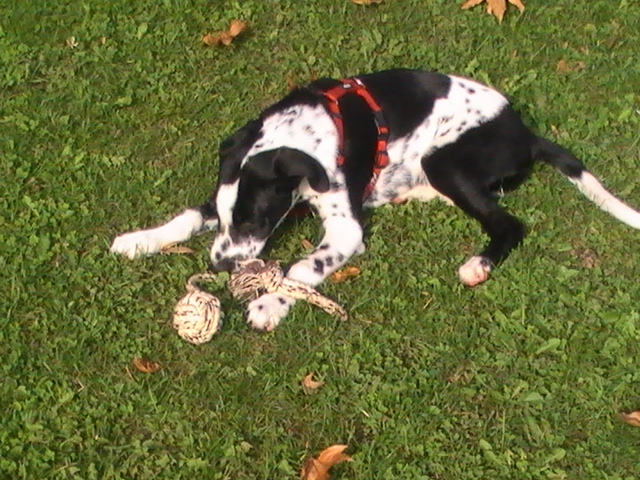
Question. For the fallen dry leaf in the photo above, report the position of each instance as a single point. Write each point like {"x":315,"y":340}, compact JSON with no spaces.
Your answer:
{"x":564,"y":67}
{"x":496,"y":8}
{"x":236,"y":27}
{"x":318,"y":468}
{"x":344,"y":274}
{"x":366,"y":2}
{"x":309,"y":385}
{"x":180,"y":249}
{"x":211,"y":39}
{"x":145,"y":365}
{"x":632,"y":418}
{"x":306,"y":244}
{"x":588,"y":258}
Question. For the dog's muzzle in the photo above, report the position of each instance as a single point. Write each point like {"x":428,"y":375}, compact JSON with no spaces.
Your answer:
{"x":224,"y":265}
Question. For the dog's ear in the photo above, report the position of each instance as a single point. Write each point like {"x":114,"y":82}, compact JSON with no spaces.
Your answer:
{"x":234,"y":148}
{"x":293,"y":163}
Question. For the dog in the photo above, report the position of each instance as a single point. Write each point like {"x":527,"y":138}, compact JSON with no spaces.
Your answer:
{"x":344,"y":145}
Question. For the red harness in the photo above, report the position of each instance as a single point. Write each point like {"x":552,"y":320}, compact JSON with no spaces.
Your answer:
{"x":333,"y":95}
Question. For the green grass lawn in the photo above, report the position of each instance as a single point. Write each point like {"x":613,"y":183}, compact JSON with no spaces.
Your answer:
{"x":111,"y":113}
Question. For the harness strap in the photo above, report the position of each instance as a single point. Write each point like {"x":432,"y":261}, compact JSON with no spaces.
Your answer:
{"x":355,"y":86}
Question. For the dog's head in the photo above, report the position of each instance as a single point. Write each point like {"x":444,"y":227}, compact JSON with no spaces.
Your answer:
{"x":255,"y":193}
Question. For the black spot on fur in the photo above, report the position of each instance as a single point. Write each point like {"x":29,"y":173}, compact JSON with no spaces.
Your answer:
{"x":340,"y":258}
{"x":225,"y":245}
{"x":445,"y":132}
{"x":318,"y":266}
{"x":324,"y":246}
{"x":309,"y":129}
{"x":281,"y":300}
{"x":471,"y":91}
{"x":329,"y":261}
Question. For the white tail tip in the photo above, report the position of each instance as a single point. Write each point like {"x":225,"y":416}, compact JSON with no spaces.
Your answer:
{"x":594,"y":191}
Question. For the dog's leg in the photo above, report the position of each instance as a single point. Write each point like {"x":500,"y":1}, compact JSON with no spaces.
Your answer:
{"x":179,"y":229}
{"x":505,"y":231}
{"x":342,"y":239}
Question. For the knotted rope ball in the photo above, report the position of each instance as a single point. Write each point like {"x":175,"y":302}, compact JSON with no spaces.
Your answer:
{"x":197,"y":317}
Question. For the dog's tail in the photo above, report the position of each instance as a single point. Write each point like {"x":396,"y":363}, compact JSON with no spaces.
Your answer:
{"x":556,"y":156}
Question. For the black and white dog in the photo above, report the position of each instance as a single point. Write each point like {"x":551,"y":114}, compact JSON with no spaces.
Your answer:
{"x":447,"y":137}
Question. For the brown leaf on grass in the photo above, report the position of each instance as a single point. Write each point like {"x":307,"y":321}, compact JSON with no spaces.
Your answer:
{"x":366,"y":2}
{"x":236,"y":27}
{"x":173,"y":248}
{"x":496,"y":8}
{"x":565,"y":67}
{"x":344,"y":274}
{"x":306,"y":244}
{"x":145,"y":365}
{"x":632,"y":418}
{"x":309,"y":385}
{"x":588,"y":258}
{"x":318,"y":468}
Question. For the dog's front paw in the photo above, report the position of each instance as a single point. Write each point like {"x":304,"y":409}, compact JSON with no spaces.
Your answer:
{"x":266,"y":311}
{"x":136,"y":244}
{"x":475,"y":271}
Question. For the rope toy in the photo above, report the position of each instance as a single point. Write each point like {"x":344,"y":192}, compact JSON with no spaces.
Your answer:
{"x":197,"y":316}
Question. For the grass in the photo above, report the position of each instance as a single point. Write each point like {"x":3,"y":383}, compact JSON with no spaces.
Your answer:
{"x":521,"y":378}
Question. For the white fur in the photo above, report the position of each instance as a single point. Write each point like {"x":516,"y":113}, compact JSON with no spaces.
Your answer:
{"x":424,"y":193}
{"x":474,"y":272}
{"x":265,"y":312}
{"x":248,"y":248}
{"x":225,"y":200}
{"x":594,"y":191}
{"x":147,"y":242}
{"x":300,"y":127}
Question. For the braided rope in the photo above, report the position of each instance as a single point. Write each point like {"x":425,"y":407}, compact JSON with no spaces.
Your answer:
{"x":197,"y":317}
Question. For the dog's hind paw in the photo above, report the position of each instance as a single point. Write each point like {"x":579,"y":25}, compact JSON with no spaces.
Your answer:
{"x":475,"y":271}
{"x":267,"y":311}
{"x":135,"y":244}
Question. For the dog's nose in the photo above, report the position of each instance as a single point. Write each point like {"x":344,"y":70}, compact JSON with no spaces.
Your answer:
{"x":224,"y":265}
